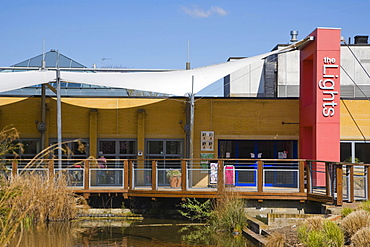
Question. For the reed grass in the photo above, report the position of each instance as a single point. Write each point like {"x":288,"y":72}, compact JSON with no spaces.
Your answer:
{"x":276,"y":240}
{"x":316,"y":232}
{"x":228,"y":213}
{"x":31,"y":197}
{"x":355,"y":221}
{"x":361,"y":237}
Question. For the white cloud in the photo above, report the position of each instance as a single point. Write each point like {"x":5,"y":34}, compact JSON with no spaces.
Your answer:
{"x":219,"y":11}
{"x":197,"y":12}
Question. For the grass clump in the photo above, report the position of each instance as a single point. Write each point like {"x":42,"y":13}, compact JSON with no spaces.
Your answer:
{"x":228,"y":213}
{"x":316,"y":232}
{"x":276,"y":240}
{"x":346,"y":211}
{"x":361,"y":237}
{"x":364,"y":206}
{"x":355,"y":221}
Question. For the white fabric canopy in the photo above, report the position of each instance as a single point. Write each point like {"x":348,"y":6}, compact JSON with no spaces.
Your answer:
{"x":14,"y":80}
{"x":173,"y":82}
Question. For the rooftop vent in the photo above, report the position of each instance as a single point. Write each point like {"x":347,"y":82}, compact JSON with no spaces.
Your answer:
{"x":361,"y":39}
{"x":293,"y":35}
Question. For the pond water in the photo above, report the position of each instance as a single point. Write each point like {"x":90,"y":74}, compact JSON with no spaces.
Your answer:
{"x":148,"y":232}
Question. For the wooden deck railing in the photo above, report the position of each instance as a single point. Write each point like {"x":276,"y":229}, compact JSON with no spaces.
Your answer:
{"x":260,"y":179}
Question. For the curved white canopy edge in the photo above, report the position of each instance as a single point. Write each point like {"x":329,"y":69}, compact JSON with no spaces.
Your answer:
{"x":174,"y":82}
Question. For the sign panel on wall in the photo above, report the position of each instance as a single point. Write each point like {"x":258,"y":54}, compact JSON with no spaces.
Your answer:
{"x":207,"y":140}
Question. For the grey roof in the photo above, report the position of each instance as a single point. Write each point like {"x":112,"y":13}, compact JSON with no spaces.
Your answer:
{"x":52,"y":59}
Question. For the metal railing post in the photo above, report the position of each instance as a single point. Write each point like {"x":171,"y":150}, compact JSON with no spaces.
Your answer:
{"x":367,"y":185}
{"x":132,"y":175}
{"x":327,"y":178}
{"x":350,"y":184}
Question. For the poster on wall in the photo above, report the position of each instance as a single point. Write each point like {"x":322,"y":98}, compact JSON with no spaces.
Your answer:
{"x":213,"y":174}
{"x":205,"y":160}
{"x":207,"y":140}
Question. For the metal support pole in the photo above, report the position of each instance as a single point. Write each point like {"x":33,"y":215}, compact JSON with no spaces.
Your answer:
{"x":59,"y":121}
{"x":192,"y":121}
{"x":43,"y":115}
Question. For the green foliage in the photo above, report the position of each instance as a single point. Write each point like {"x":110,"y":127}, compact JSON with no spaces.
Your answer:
{"x":227,"y":214}
{"x":334,"y":236}
{"x":364,"y":206}
{"x":346,"y":211}
{"x":349,"y":159}
{"x":195,"y":210}
{"x":172,"y":173}
{"x":311,"y":238}
{"x":326,"y":233}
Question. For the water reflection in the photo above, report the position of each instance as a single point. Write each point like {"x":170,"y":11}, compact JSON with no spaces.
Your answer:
{"x":122,"y":233}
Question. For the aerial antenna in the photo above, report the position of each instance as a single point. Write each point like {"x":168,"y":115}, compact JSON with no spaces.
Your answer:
{"x":103,"y":59}
{"x":188,"y":60}
{"x":43,"y":62}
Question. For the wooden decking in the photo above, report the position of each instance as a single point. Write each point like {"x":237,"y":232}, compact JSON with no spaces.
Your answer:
{"x":258,"y":179}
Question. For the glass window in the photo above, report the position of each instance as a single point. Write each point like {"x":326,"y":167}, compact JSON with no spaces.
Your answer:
{"x":117,"y":148}
{"x":107,"y":147}
{"x":173,"y":147}
{"x":345,"y":152}
{"x":355,"y":151}
{"x":155,"y":147}
{"x":164,"y":148}
{"x":72,"y":149}
{"x":362,"y":153}
{"x":127,"y":147}
{"x":31,"y":147}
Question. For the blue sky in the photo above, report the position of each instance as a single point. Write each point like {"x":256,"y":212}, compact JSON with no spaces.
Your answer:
{"x":155,"y":33}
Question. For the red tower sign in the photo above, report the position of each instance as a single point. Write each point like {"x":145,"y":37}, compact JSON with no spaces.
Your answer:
{"x":319,"y":134}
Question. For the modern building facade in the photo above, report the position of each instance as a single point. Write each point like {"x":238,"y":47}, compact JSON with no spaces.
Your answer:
{"x":119,"y":127}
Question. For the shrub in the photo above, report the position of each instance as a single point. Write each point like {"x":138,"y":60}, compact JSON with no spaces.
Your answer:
{"x":195,"y":210}
{"x":361,"y":237}
{"x":355,"y":221}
